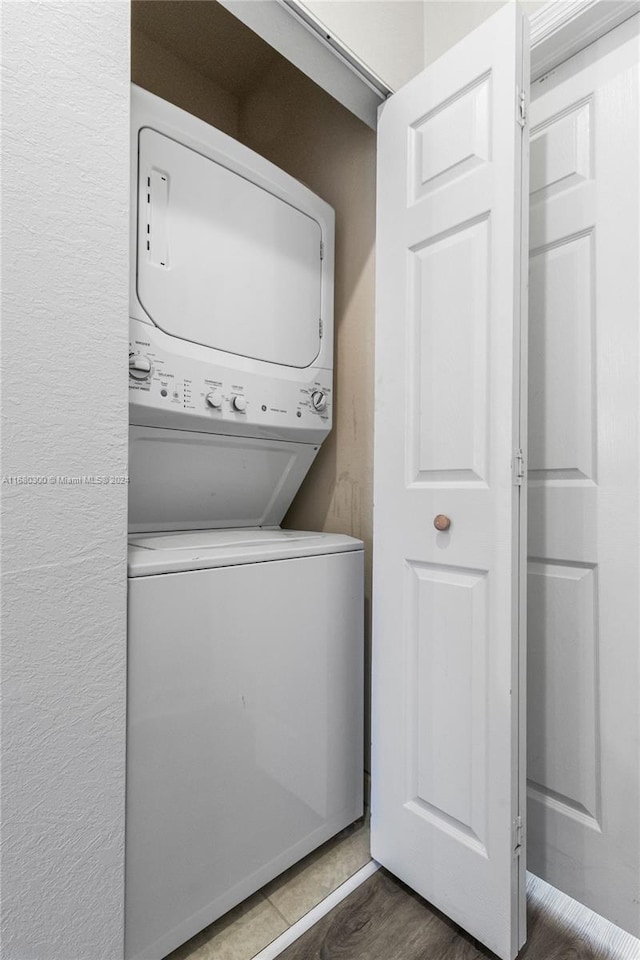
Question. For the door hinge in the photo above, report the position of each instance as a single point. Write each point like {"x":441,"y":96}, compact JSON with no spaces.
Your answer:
{"x":518,"y":834}
{"x":320,"y":328}
{"x":522,"y":108}
{"x":321,"y":250}
{"x":518,"y":468}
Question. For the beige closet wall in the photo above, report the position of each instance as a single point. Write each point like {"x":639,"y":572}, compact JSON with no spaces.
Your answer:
{"x":160,"y":71}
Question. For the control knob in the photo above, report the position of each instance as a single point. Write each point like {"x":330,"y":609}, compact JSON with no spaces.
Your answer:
{"x":139,"y":366}
{"x":214,"y":399}
{"x":239,"y":403}
{"x":319,"y":400}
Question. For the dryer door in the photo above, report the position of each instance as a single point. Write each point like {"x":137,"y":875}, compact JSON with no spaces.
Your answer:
{"x":221,"y":261}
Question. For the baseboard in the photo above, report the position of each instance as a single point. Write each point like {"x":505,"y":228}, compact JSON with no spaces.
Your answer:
{"x":600,"y":937}
{"x":280,"y":944}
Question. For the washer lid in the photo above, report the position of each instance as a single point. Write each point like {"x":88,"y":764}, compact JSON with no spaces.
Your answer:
{"x":159,"y":553}
{"x":221,"y":261}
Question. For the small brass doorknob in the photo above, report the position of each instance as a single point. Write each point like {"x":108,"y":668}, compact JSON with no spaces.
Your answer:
{"x":441,"y":522}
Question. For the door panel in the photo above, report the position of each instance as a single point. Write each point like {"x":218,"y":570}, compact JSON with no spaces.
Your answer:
{"x":449,"y":369}
{"x":562,"y":663}
{"x":562,"y":397}
{"x":446,"y":773}
{"x":448,"y":710}
{"x":583,"y":658}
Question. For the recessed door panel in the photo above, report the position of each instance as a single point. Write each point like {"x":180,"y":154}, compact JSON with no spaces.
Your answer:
{"x":447,"y":715}
{"x":563,"y":763}
{"x":448,"y":357}
{"x":452,"y":139}
{"x":562,"y":389}
{"x":561,"y":152}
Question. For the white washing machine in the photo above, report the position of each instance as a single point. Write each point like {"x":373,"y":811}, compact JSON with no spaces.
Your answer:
{"x":245,"y":718}
{"x":245,"y":676}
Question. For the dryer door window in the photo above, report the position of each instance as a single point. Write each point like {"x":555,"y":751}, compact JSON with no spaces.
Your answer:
{"x":221,"y":261}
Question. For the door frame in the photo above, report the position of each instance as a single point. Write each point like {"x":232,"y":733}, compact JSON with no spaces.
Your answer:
{"x":559,"y":30}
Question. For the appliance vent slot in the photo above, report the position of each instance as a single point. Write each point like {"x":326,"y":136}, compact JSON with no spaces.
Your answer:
{"x":157,"y":218}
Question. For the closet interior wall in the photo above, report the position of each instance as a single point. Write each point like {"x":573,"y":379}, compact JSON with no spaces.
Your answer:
{"x":200,"y":57}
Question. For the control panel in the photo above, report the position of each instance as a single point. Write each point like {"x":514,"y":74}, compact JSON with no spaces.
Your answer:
{"x":173,"y":384}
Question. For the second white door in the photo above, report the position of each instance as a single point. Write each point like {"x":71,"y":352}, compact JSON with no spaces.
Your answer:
{"x":584,"y":657}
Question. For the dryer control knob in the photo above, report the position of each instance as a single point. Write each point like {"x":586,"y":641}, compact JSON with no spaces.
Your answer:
{"x":214,"y":399}
{"x":139,"y":367}
{"x":319,"y":400}
{"x":239,"y":403}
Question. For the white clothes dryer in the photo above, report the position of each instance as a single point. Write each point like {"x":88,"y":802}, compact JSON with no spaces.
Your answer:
{"x":231,"y":331}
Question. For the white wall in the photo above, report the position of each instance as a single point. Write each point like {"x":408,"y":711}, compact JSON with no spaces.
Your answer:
{"x":386,"y":34}
{"x":398,"y":38}
{"x":448,"y":21}
{"x":65,"y":103}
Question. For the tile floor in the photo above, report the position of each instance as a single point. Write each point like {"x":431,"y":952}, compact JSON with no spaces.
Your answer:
{"x":246,"y":930}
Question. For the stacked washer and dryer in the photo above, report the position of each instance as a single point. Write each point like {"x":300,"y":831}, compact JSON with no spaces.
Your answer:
{"x":245,"y":665}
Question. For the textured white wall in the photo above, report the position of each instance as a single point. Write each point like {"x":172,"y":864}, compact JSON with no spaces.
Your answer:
{"x":65,"y":107}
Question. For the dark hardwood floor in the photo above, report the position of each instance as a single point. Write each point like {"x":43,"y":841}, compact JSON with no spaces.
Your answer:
{"x":385,"y":920}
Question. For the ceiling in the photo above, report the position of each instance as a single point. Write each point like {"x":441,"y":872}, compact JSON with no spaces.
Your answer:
{"x":209,"y":38}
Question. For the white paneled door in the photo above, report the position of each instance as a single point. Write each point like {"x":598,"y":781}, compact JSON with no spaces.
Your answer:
{"x":584,"y":653}
{"x":447,"y":777}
